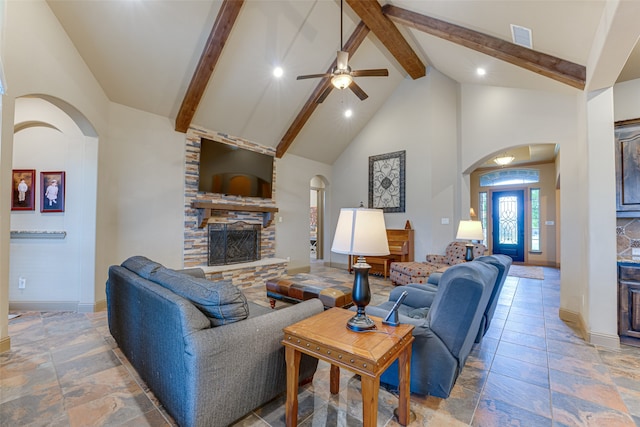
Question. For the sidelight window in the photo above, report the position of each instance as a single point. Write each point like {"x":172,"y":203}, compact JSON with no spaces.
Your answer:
{"x":535,"y":219}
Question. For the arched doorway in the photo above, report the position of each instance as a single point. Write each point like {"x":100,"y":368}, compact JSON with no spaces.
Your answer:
{"x":55,"y":263}
{"x":316,"y":217}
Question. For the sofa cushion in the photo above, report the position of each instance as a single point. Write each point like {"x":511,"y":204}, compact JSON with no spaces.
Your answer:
{"x":140,"y":265}
{"x":418,"y":313}
{"x":220,"y":301}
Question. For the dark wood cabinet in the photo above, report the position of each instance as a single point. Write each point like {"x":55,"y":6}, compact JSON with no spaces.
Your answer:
{"x":629,"y":303}
{"x":627,"y":140}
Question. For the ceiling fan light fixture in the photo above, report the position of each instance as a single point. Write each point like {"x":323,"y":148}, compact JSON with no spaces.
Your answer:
{"x":504,"y":159}
{"x":341,"y":81}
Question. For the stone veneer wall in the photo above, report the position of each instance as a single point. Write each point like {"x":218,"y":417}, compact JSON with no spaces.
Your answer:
{"x":627,"y":237}
{"x":195,"y":239}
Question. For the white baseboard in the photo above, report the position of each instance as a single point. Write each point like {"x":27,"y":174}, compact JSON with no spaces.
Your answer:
{"x":595,"y":338}
{"x":5,"y":344}
{"x":298,"y":270}
{"x":605,"y":340}
{"x":337,"y":265}
{"x":92,"y":308}
{"x":58,"y":306}
{"x":43,"y":306}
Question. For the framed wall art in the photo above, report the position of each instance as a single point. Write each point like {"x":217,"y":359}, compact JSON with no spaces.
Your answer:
{"x":386,"y":181}
{"x":23,"y":194}
{"x":52,"y":192}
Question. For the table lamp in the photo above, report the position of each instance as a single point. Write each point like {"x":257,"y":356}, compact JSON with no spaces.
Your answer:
{"x":470,"y":230}
{"x":361,"y":232}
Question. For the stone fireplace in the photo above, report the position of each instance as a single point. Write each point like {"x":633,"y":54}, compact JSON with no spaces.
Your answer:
{"x":203,"y":209}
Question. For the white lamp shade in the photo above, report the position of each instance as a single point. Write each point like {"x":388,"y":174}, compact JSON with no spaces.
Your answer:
{"x":470,"y":230}
{"x":361,"y":231}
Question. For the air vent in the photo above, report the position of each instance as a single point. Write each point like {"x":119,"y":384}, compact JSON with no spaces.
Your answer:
{"x":521,"y":36}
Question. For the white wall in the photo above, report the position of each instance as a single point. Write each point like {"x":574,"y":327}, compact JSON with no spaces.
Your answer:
{"x":495,"y":118}
{"x":601,"y":302}
{"x":140,"y":158}
{"x":141,"y":190}
{"x":40,"y":59}
{"x":293,"y":178}
{"x":626,"y":100}
{"x":420,"y":118}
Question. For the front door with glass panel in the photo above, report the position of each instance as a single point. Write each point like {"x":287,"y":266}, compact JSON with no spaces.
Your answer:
{"x":508,"y":224}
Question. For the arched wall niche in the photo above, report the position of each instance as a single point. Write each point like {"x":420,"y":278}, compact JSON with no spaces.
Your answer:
{"x":52,"y":135}
{"x":72,"y":112}
{"x":32,"y":124}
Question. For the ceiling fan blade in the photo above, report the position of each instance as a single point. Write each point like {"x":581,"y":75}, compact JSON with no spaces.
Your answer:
{"x":343,"y":60}
{"x":324,"y":94}
{"x":380,"y":72}
{"x":313,"y":76}
{"x":358,"y":91}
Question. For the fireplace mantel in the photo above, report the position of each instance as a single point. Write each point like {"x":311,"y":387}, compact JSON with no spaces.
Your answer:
{"x":205,"y":207}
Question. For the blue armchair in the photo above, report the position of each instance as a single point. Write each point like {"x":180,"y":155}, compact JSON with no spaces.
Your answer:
{"x":446,"y":324}
{"x":503,"y":263}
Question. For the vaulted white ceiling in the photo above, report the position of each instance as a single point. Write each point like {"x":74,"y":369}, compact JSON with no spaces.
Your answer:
{"x":144,"y":53}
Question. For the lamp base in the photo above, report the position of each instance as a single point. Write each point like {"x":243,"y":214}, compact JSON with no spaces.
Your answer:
{"x":469,"y":254}
{"x":361,"y":295}
{"x":360,"y":323}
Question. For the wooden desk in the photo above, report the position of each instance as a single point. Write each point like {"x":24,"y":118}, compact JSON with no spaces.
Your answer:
{"x":326,"y":337}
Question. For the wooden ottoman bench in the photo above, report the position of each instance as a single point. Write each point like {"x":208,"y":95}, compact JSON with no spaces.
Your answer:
{"x":331,"y":295}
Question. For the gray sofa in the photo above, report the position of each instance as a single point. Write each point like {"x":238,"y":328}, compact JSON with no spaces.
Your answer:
{"x":207,"y":354}
{"x":446,"y":324}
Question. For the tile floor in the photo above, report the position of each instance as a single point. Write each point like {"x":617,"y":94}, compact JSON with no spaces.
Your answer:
{"x":531,"y":369}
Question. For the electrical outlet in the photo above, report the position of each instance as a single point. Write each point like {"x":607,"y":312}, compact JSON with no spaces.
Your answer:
{"x":22,"y":283}
{"x":444,"y":221}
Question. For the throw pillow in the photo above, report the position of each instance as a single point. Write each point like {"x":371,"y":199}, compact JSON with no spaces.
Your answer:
{"x":221,"y":301}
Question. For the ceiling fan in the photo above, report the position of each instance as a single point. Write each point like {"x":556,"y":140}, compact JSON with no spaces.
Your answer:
{"x":342,"y":75}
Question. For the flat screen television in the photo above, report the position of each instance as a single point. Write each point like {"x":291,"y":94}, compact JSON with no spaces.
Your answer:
{"x":232,"y":170}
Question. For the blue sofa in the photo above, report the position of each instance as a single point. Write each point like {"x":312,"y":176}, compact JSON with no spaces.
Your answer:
{"x":206,"y":353}
{"x":446,"y":324}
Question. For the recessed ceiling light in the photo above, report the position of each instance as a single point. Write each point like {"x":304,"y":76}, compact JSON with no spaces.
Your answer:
{"x":278,"y":71}
{"x":481,"y":71}
{"x":348,"y":113}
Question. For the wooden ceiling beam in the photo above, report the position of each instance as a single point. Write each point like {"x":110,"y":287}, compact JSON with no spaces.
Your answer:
{"x":310,"y":106}
{"x":220,"y":32}
{"x":549,"y":66}
{"x":371,"y":14}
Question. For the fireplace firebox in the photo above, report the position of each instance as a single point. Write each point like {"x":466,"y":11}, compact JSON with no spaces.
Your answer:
{"x":233,"y":243}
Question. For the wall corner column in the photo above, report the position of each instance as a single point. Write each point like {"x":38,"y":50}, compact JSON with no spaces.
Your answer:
{"x":601,"y":301}
{"x":6,"y":161}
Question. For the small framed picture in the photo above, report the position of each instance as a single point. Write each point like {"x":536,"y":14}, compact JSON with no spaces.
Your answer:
{"x":23,"y":194}
{"x":52,"y":193}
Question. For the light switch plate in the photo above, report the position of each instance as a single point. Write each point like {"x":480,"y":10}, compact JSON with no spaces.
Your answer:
{"x":635,"y":251}
{"x":444,"y":221}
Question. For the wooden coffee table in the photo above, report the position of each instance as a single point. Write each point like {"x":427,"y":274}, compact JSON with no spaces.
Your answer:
{"x":326,"y":337}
